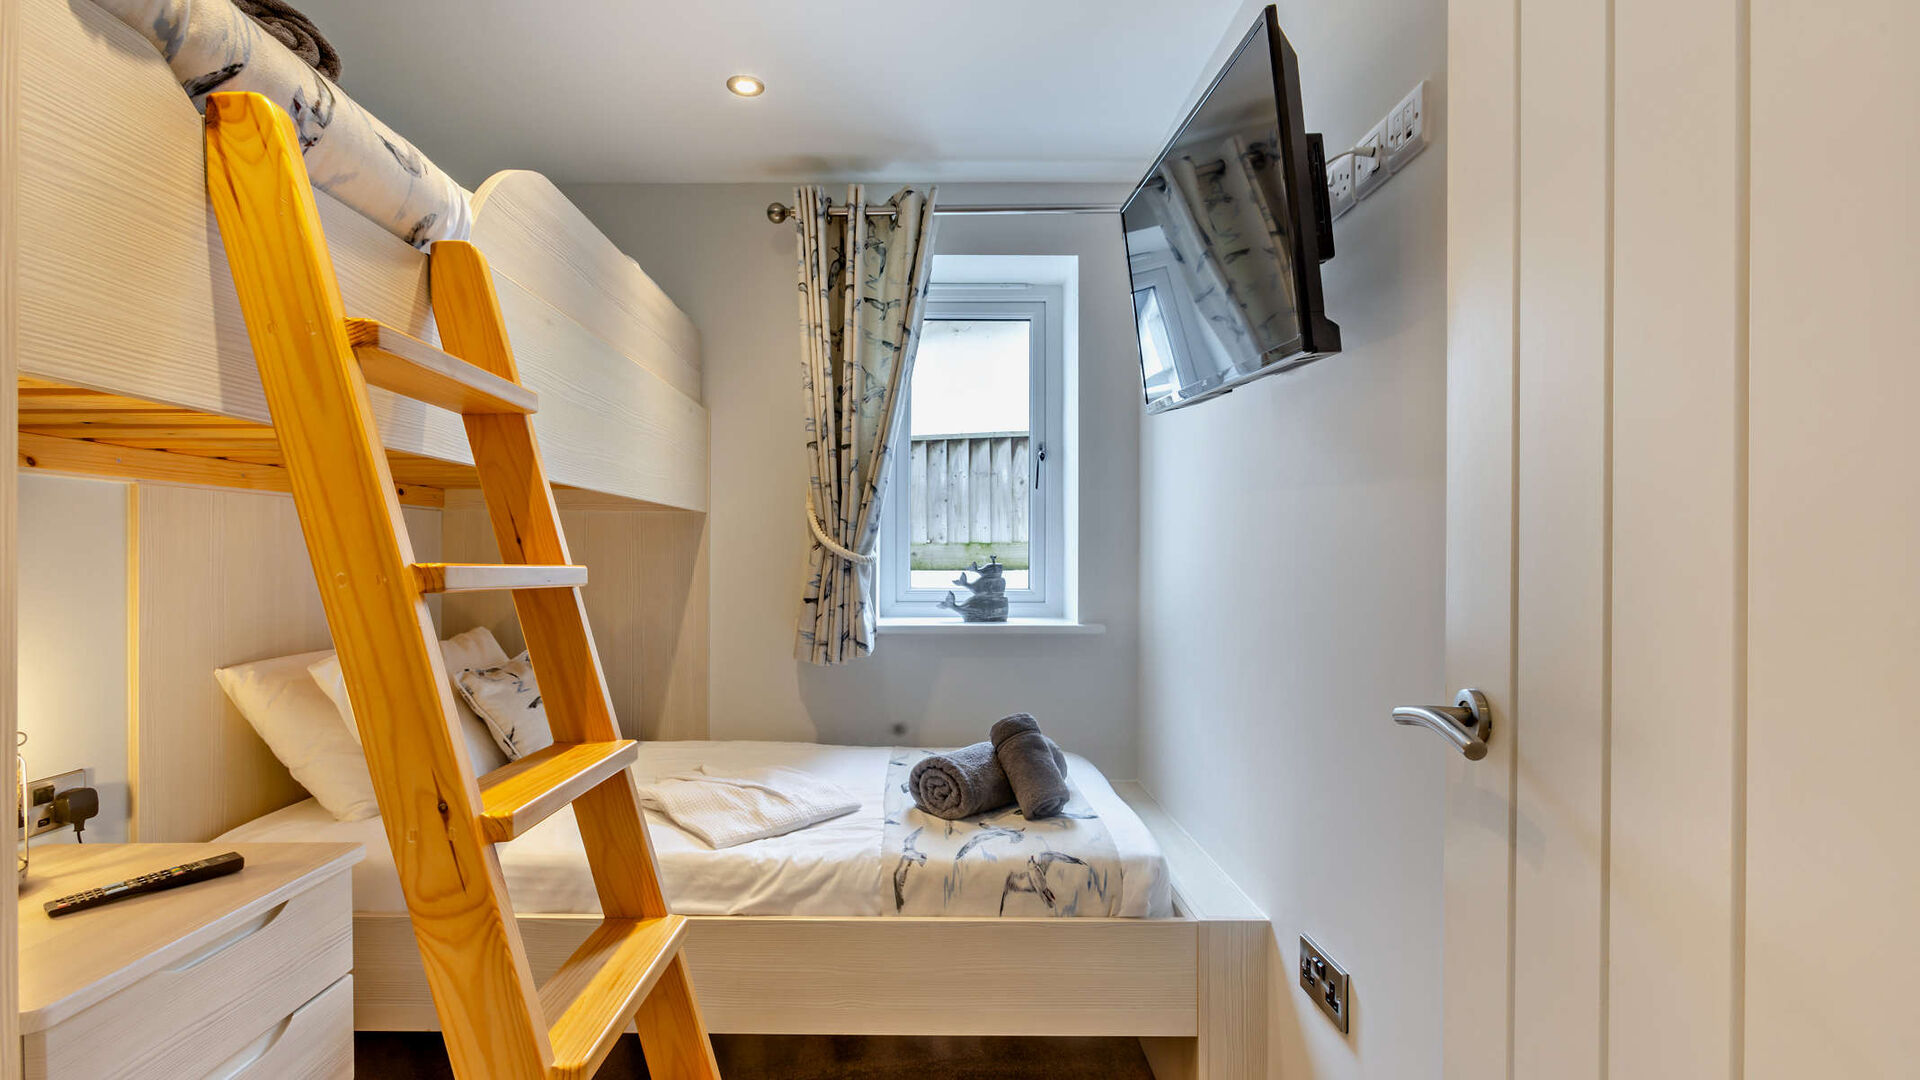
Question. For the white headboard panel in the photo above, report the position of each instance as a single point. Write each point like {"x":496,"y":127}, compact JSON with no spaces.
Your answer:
{"x":221,"y":577}
{"x":646,"y":599}
{"x":532,"y":233}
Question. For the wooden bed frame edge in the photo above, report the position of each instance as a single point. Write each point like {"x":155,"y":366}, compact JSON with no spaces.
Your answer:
{"x":1193,"y":988}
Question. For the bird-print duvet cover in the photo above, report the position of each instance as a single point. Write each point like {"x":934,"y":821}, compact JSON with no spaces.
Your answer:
{"x":996,"y":863}
{"x":211,"y":45}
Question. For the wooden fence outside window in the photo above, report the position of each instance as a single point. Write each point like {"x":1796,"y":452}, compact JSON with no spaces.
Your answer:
{"x":967,"y":499}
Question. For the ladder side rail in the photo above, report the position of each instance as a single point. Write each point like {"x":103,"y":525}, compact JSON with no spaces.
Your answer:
{"x":669,"y":1010}
{"x":474,"y":960}
{"x":526,"y":526}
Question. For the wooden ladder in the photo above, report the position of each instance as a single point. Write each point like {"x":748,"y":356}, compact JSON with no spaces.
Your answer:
{"x":442,"y":822}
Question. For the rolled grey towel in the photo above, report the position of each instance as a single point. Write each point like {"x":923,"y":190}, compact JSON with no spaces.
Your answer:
{"x":296,"y":32}
{"x":964,"y":782}
{"x":1038,"y":778}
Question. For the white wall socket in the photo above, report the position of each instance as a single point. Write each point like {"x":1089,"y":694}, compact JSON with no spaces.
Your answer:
{"x":1370,"y":172}
{"x":1407,"y":128}
{"x":1397,"y":139}
{"x":1340,"y":185}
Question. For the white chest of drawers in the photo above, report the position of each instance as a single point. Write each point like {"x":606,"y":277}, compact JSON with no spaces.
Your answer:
{"x":245,"y":976}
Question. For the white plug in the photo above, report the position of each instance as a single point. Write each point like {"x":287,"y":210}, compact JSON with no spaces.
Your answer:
{"x":1369,"y":169}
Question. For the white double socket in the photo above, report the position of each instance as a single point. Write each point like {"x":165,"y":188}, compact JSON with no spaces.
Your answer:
{"x":1340,"y":198}
{"x":1384,"y":150}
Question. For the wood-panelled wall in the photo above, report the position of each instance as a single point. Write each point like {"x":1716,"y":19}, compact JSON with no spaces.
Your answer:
{"x":9,"y":442}
{"x":1714,"y":514}
{"x":221,"y":577}
{"x":646,"y":599}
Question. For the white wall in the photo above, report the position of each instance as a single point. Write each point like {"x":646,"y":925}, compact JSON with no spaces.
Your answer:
{"x":73,"y":638}
{"x":1291,"y":589}
{"x":711,"y":248}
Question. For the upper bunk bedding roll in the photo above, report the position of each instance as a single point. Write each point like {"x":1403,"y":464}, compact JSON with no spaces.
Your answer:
{"x":211,"y":45}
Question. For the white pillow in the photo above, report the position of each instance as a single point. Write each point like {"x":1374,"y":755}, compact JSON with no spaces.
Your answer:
{"x":508,"y":698}
{"x":303,"y":730}
{"x":475,"y":648}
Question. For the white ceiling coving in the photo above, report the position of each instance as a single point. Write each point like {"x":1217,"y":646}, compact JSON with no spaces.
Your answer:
{"x":603,"y":91}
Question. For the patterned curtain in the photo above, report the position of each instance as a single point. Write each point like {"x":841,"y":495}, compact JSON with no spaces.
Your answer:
{"x":1216,"y":206}
{"x":862,"y":278}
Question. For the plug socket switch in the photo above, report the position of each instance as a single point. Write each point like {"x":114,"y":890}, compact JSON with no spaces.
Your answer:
{"x":1369,"y":172}
{"x":1340,"y":185}
{"x":42,"y":817}
{"x":1326,"y":982}
{"x":1407,"y":128}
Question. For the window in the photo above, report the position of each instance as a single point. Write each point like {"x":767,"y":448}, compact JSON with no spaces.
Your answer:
{"x":1173,"y":352}
{"x":978,"y":477}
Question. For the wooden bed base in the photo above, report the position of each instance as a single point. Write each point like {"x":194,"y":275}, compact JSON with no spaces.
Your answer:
{"x":1193,"y":987}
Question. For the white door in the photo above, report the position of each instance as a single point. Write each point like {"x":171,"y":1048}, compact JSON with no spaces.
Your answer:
{"x":1684,"y":539}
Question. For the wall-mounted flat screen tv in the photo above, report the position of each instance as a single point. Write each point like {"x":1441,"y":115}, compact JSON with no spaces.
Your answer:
{"x":1226,"y":234}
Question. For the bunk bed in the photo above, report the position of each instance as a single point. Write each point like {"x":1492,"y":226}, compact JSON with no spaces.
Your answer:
{"x":132,"y":362}
{"x":127,"y":315}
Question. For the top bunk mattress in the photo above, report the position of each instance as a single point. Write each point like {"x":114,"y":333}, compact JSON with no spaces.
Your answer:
{"x":883,"y":859}
{"x":211,"y":45}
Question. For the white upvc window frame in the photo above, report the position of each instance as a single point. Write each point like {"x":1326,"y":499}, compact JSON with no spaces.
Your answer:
{"x":1155,"y":270}
{"x":1043,"y":306}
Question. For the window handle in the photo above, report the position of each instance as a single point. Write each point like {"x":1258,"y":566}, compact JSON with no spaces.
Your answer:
{"x":1039,"y":464}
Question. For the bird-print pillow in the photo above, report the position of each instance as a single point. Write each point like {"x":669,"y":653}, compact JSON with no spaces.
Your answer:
{"x":508,"y":699}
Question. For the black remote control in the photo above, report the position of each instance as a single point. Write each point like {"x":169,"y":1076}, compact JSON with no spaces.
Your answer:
{"x":159,"y":880}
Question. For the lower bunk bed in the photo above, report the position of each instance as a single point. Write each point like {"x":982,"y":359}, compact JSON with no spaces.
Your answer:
{"x":811,"y":932}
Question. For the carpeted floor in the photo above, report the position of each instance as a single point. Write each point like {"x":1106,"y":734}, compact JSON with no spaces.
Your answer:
{"x":419,"y":1056}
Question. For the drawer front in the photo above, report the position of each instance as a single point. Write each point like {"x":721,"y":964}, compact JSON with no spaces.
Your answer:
{"x":202,"y":1010}
{"x":315,"y":1043}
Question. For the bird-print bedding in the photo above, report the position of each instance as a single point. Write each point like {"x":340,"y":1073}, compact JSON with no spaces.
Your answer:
{"x":211,"y":45}
{"x":996,"y":863}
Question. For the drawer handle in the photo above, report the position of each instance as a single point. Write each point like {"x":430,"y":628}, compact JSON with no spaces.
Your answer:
{"x":229,"y":940}
{"x":251,"y":1053}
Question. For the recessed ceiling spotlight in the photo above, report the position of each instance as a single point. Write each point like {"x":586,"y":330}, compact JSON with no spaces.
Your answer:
{"x":746,"y":85}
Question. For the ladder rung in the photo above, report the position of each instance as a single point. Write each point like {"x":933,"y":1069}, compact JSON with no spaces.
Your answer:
{"x":597,"y":993}
{"x":437,"y":577}
{"x":410,"y":367}
{"x":521,"y":794}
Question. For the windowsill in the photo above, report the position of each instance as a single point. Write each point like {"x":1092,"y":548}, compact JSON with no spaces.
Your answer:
{"x":953,"y":625}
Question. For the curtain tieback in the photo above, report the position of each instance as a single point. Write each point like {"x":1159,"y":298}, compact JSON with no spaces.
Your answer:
{"x":828,"y":542}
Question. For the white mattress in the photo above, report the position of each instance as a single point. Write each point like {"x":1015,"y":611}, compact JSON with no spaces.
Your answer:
{"x":833,"y":868}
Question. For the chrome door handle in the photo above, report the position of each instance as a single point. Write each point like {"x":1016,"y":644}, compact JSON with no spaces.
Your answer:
{"x":1467,"y":723}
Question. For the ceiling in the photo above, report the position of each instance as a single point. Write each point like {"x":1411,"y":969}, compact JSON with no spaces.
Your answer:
{"x":602,"y":91}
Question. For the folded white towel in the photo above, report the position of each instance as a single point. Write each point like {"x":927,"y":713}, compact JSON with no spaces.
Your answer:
{"x":752,"y":805}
